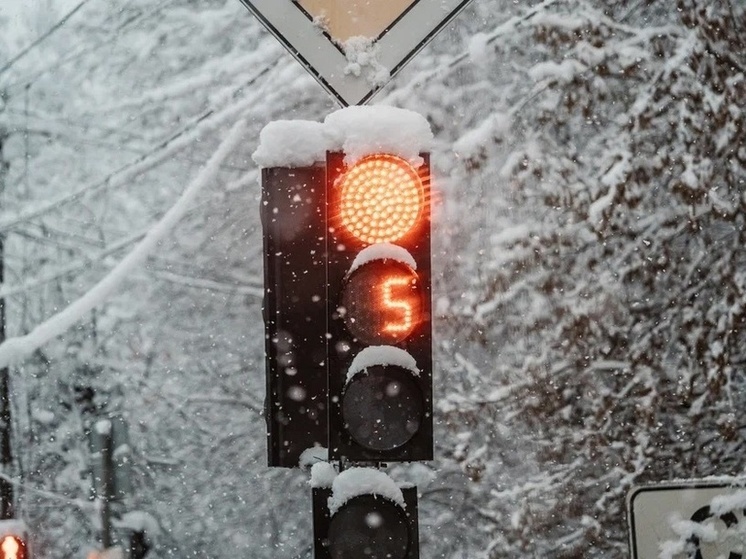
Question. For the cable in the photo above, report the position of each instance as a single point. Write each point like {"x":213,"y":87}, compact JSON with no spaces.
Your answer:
{"x":43,"y":37}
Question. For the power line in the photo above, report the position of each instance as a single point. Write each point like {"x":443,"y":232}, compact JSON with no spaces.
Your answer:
{"x":97,"y":142}
{"x":43,"y":37}
{"x":77,"y":52}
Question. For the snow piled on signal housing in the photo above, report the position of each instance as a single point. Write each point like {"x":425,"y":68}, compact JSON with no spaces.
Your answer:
{"x":363,"y":481}
{"x":382,"y":355}
{"x":361,"y":131}
{"x":311,"y":456}
{"x":356,"y":131}
{"x":323,"y":475}
{"x":382,"y":251}
{"x":292,"y":143}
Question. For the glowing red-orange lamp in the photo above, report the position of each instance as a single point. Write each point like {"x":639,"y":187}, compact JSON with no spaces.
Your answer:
{"x":12,"y":547}
{"x":381,"y":198}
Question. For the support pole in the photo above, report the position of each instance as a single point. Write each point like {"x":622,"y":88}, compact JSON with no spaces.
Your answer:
{"x":107,"y":473}
{"x":6,"y":455}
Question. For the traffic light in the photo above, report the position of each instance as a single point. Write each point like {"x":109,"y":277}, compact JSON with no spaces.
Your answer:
{"x":12,"y":546}
{"x":292,"y":213}
{"x":379,"y":308}
{"x":367,"y":523}
{"x":14,"y":540}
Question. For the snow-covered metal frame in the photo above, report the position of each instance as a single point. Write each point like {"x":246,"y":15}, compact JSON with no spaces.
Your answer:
{"x":326,"y":61}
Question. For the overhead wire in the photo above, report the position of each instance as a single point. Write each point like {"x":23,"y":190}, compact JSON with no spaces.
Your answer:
{"x":176,"y":142}
{"x":95,"y":142}
{"x":44,"y":36}
{"x":79,"y":51}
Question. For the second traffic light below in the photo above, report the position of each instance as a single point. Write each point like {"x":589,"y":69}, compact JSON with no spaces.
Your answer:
{"x":368,"y":523}
{"x":379,"y":309}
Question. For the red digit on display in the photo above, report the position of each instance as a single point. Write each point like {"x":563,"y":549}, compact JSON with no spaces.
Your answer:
{"x":401,"y":306}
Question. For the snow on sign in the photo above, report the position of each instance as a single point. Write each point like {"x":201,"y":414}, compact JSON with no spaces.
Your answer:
{"x":353,"y":47}
{"x":701,"y":519}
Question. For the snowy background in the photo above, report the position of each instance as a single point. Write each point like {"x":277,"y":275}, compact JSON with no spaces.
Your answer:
{"x":590,"y":294}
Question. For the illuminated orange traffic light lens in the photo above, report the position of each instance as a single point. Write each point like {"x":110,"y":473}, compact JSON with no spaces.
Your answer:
{"x":381,"y":198}
{"x":12,"y":548}
{"x":382,"y":302}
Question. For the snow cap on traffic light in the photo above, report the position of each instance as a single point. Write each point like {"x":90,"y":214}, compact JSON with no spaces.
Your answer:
{"x":356,"y":131}
{"x":363,"y":481}
{"x":361,"y":131}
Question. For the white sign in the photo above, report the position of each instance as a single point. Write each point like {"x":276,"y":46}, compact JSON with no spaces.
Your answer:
{"x":353,"y":47}
{"x":705,"y":516}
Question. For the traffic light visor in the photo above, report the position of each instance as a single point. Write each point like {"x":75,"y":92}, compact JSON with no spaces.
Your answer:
{"x":382,"y":197}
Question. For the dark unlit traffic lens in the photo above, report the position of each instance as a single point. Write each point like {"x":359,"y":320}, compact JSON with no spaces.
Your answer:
{"x":382,"y":407}
{"x":369,"y":527}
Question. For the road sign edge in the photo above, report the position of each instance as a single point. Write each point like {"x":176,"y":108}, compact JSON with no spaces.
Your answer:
{"x":347,"y":89}
{"x":682,"y":484}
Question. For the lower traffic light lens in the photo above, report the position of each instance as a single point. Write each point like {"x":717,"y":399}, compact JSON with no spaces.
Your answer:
{"x":382,"y":407}
{"x":382,"y":301}
{"x":369,"y":527}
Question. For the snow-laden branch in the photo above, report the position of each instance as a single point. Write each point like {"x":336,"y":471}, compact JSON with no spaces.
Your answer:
{"x":242,"y":402}
{"x":211,"y":285}
{"x":43,"y":37}
{"x":227,"y":67}
{"x":69,"y":269}
{"x":78,"y":503}
{"x":199,"y":127}
{"x":443,"y":70}
{"x":15,"y":349}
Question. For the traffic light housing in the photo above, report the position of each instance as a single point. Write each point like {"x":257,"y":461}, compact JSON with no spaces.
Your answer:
{"x":367,"y":525}
{"x":379,"y":308}
{"x":293,"y":220}
{"x":347,"y":310}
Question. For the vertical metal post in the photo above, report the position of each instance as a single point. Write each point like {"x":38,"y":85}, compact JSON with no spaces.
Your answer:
{"x":6,"y":455}
{"x":102,"y":447}
{"x":103,"y":429}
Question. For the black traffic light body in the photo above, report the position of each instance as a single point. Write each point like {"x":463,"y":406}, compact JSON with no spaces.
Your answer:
{"x":366,"y":527}
{"x":322,"y":318}
{"x":293,"y":220}
{"x":383,"y":413}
